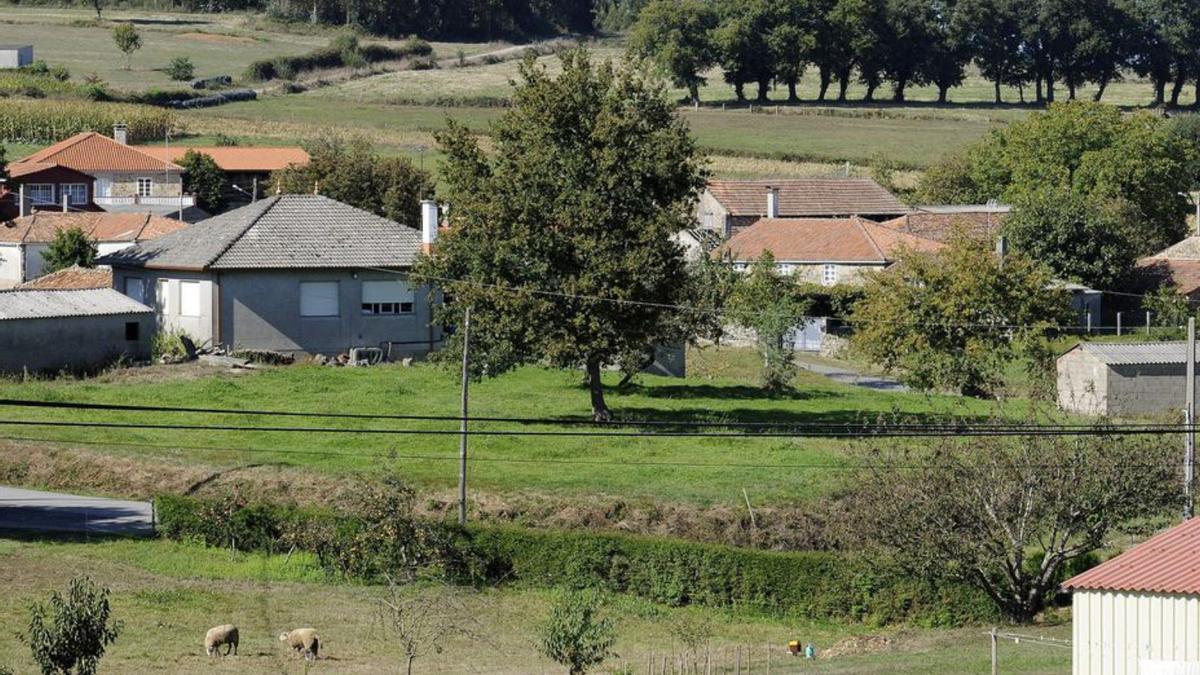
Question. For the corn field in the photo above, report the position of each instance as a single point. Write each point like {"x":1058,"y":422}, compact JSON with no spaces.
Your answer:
{"x":51,"y":120}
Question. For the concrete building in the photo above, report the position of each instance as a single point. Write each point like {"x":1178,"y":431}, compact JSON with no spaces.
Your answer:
{"x":24,"y":240}
{"x":54,"y":330}
{"x":1122,"y":379}
{"x":727,"y":206}
{"x":300,"y":274}
{"x":824,"y":251}
{"x":1139,"y":613}
{"x":15,"y":56}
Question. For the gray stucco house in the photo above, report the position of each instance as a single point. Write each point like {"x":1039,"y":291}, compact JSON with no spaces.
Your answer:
{"x":53,"y":330}
{"x":300,"y":274}
{"x":1122,"y":379}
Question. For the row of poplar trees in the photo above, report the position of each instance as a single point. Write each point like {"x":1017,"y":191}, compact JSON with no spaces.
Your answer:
{"x":905,"y":43}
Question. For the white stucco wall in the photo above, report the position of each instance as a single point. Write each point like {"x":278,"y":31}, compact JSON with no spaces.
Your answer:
{"x":10,"y":265}
{"x":1082,"y":383}
{"x":1115,"y":633}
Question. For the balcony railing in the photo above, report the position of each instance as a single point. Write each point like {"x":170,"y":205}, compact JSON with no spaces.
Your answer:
{"x":184,"y":201}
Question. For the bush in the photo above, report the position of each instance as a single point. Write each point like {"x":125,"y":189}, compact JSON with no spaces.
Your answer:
{"x":180,"y":69}
{"x":72,"y":633}
{"x":333,"y":56}
{"x":813,"y":585}
{"x":167,"y":346}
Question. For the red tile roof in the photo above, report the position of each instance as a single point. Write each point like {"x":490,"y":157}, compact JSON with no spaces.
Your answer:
{"x":939,"y":226}
{"x":234,"y":158}
{"x":41,"y":226}
{"x":807,"y":197}
{"x":1183,"y":274}
{"x":1168,"y":562}
{"x":89,"y":152}
{"x":73,"y":277}
{"x":822,"y":240}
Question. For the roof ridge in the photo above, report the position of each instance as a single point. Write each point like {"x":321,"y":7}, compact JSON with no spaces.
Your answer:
{"x":273,"y":199}
{"x":866,"y":233}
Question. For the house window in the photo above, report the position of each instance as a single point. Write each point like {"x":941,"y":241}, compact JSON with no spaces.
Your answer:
{"x":132,"y":331}
{"x":829,"y":275}
{"x":76,"y":193}
{"x":189,"y":298}
{"x":135,"y":289}
{"x":145,"y":186}
{"x":40,"y":193}
{"x":318,"y":298}
{"x":786,"y":269}
{"x":386,"y":297}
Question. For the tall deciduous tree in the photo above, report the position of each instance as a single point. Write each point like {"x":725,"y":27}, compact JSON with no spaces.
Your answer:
{"x":908,"y":29}
{"x":204,"y":180}
{"x":678,"y":36}
{"x":592,"y":173}
{"x":948,"y":50}
{"x":834,"y":44}
{"x":350,"y":171}
{"x":746,"y":54}
{"x":954,"y":319}
{"x":791,"y":42}
{"x":1013,"y":518}
{"x":993,"y":33}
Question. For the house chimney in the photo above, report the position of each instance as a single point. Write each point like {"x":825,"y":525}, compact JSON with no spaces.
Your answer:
{"x":120,"y":133}
{"x":772,"y":202}
{"x":429,"y":224}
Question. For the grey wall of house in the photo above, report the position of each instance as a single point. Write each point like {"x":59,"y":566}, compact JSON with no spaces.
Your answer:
{"x":78,"y":342}
{"x":161,"y":290}
{"x":1087,"y":386}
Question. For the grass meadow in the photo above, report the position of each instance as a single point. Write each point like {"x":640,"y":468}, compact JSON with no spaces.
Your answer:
{"x":167,"y":594}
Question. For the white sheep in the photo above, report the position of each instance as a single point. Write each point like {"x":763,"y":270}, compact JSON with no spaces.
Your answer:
{"x":304,"y":640}
{"x":217,"y":636}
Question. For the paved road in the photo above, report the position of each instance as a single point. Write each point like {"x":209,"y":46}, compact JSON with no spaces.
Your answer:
{"x":848,"y":376}
{"x":54,"y":512}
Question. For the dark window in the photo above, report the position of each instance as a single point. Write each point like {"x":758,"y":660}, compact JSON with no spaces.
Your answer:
{"x":381,"y":308}
{"x":132,"y":330}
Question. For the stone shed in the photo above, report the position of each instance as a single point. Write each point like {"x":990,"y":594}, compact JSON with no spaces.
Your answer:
{"x":53,"y":330}
{"x":1122,"y":379}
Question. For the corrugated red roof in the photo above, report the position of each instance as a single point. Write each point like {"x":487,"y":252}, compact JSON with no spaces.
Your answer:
{"x":234,"y":158}
{"x":42,"y":226}
{"x":1168,"y":562}
{"x":822,"y":240}
{"x":807,"y":197}
{"x":90,"y":151}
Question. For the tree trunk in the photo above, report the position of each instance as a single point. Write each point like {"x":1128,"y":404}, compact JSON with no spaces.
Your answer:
{"x":1160,"y":91}
{"x":600,"y":411}
{"x":826,"y":78}
{"x":1177,"y":87}
{"x":408,"y":668}
{"x":1038,"y":97}
{"x":943,"y":93}
{"x":870,"y":95}
{"x":1071,"y":89}
{"x":898,"y":91}
{"x":792,"y":96}
{"x":694,"y":92}
{"x":997,"y":89}
{"x":1103,"y":84}
{"x":1049,"y":89}
{"x":763,"y":87}
{"x":739,"y":90}
{"x":843,"y":85}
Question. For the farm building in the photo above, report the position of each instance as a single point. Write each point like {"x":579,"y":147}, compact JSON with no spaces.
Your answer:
{"x":247,"y":170}
{"x":727,"y":206}
{"x":15,"y":56}
{"x":1139,"y":613}
{"x":1117,"y":380}
{"x":300,"y":274}
{"x":52,"y":330}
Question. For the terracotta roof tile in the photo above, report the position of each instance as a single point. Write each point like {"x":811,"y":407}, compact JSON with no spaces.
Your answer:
{"x":41,"y":226}
{"x":939,"y":226}
{"x":822,"y":240}
{"x":90,"y":151}
{"x":1168,"y":562}
{"x":73,"y":277}
{"x":234,"y":158}
{"x":807,"y":197}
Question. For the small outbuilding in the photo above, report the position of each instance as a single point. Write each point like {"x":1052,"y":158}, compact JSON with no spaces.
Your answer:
{"x":1121,"y":379}
{"x":1139,"y":613}
{"x":53,"y":330}
{"x":15,"y":56}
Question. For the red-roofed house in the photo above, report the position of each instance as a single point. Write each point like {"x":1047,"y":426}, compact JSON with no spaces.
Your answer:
{"x":727,"y":206}
{"x":1139,"y":613}
{"x":822,"y":250}
{"x":23,"y":240}
{"x":92,"y":172}
{"x":246,"y":170}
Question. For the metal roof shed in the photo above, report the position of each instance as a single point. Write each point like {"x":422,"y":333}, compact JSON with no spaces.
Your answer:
{"x":1140,"y":611}
{"x":1122,"y":379}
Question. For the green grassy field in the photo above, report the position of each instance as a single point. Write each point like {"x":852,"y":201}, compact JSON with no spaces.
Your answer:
{"x":168,"y":594}
{"x":702,"y":471}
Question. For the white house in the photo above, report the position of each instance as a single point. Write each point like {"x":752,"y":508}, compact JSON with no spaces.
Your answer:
{"x":1139,"y":613}
{"x":15,"y":56}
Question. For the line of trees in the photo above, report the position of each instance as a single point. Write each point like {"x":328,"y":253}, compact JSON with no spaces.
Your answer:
{"x":905,"y":43}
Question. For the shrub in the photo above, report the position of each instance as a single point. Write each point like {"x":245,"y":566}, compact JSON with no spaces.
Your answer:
{"x":60,"y":73}
{"x":576,"y":635}
{"x":334,"y":56}
{"x":180,"y":69}
{"x":167,"y":346}
{"x":70,"y":635}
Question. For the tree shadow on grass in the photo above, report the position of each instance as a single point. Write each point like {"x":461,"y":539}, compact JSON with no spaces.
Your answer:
{"x":663,"y":420}
{"x":728,"y":392}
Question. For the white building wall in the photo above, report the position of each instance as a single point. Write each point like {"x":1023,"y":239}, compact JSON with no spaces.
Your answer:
{"x":1129,"y":633}
{"x":10,"y":265}
{"x":16,"y":57}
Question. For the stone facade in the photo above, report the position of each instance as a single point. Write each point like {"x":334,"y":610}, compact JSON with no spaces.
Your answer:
{"x":126,"y":184}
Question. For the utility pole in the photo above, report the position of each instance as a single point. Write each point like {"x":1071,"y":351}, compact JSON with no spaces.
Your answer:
{"x":462,"y":442}
{"x":1189,"y":452}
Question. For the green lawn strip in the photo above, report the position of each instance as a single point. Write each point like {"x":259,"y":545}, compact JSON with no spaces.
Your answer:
{"x":702,"y":470}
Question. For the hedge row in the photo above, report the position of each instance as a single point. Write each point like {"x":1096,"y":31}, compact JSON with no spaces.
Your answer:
{"x":809,"y":585}
{"x":288,"y":67}
{"x":48,"y":121}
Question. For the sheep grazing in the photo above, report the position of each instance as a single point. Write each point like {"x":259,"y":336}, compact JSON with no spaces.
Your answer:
{"x":217,"y":636}
{"x":304,"y":640}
